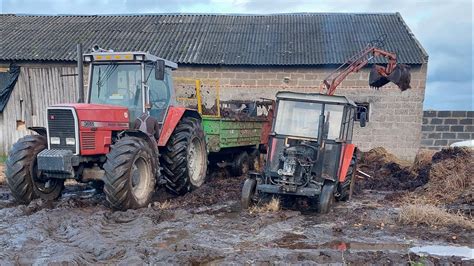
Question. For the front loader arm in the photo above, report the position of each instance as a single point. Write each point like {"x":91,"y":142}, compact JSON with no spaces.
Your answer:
{"x":360,"y":60}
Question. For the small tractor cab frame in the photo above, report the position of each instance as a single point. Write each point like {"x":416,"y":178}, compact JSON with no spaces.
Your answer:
{"x":310,"y":148}
{"x":310,"y":151}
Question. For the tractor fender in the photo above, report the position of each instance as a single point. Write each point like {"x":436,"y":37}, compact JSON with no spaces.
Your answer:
{"x":175,"y":114}
{"x":139,"y":134}
{"x":40,"y":130}
{"x":346,"y":158}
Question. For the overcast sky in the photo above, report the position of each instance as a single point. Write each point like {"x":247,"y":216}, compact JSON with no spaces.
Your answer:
{"x":444,"y":28}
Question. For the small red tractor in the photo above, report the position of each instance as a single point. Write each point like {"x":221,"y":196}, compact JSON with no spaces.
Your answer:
{"x":310,"y":151}
{"x":95,"y":141}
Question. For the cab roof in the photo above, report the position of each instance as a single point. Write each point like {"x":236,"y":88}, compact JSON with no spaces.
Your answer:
{"x":314,"y":97}
{"x":108,"y":56}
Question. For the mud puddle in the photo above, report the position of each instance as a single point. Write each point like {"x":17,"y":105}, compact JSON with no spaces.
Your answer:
{"x":463,"y":252}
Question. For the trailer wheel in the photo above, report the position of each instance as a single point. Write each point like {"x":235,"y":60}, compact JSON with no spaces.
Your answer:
{"x":241,"y":164}
{"x":23,"y":175}
{"x":184,"y":158}
{"x":254,"y":158}
{"x":248,"y":193}
{"x":130,"y":168}
{"x":326,"y":198}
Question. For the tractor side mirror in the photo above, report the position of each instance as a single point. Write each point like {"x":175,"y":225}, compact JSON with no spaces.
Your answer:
{"x":363,"y":118}
{"x":160,"y":70}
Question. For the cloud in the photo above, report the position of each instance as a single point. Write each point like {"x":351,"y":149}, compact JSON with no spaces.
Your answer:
{"x":448,"y":95}
{"x":444,"y":28}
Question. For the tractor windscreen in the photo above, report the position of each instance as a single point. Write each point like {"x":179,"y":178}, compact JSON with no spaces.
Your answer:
{"x":117,"y":84}
{"x":299,"y":119}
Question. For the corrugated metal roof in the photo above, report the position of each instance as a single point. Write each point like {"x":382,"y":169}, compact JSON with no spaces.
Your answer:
{"x":279,"y":39}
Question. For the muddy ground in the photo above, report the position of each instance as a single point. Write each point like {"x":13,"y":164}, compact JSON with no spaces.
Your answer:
{"x":208,"y":227}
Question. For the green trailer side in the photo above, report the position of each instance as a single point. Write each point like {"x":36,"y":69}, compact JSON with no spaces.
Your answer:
{"x":224,"y":133}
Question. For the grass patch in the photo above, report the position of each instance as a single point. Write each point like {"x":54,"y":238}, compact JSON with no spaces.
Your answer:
{"x":272,"y":206}
{"x":431,"y":215}
{"x":3,"y":158}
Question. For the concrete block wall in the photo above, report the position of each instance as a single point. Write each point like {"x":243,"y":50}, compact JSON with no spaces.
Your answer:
{"x":442,"y":128}
{"x":395,"y":117}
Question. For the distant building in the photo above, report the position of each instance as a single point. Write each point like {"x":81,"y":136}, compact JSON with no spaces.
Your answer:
{"x":252,"y":56}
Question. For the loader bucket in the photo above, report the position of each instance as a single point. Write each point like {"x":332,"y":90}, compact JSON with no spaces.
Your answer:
{"x":375,"y":79}
{"x":400,"y":76}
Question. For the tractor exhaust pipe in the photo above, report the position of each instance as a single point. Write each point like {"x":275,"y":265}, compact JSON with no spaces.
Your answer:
{"x":80,"y":74}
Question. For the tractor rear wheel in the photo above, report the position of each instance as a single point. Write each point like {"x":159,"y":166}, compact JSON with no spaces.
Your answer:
{"x":130,"y":174}
{"x":248,"y":193}
{"x":184,"y":157}
{"x":346,"y":188}
{"x":326,"y":198}
{"x":22,"y":173}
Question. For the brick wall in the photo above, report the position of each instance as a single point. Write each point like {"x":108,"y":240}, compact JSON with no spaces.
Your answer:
{"x":441,"y":128}
{"x":395,"y":118}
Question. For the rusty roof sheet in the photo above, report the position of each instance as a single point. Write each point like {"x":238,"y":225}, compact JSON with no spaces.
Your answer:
{"x":301,"y":39}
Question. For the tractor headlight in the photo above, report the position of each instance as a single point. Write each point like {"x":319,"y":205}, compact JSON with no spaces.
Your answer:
{"x":70,"y":141}
{"x":55,"y":140}
{"x":139,"y":57}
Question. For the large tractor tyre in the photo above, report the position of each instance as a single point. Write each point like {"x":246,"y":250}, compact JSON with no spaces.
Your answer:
{"x":326,"y":198}
{"x":184,"y":158}
{"x":241,"y":164}
{"x":130,"y":174}
{"x":23,"y":177}
{"x":347,"y":187}
{"x":248,"y":193}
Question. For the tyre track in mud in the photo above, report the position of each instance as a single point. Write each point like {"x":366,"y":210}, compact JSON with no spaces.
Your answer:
{"x":80,"y":229}
{"x":98,"y":235}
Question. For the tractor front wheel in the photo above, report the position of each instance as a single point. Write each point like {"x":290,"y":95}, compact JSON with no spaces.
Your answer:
{"x":326,"y":198}
{"x":130,"y":168}
{"x":248,"y":193}
{"x":184,"y":157}
{"x":23,"y":177}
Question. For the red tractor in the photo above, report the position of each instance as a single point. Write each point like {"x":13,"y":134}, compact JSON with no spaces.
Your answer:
{"x":95,"y":141}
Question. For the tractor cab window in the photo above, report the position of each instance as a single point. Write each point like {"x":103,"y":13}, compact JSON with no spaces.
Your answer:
{"x":117,"y":84}
{"x":299,"y":119}
{"x":160,"y":92}
{"x":348,"y":124}
{"x":332,"y":126}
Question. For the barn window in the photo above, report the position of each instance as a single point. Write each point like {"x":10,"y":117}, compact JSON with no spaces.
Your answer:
{"x":362,"y":107}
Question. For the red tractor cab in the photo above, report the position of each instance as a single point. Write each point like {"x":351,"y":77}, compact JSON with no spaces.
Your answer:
{"x":310,"y":150}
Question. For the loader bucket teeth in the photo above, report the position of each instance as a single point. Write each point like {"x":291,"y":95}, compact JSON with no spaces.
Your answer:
{"x":375,"y":79}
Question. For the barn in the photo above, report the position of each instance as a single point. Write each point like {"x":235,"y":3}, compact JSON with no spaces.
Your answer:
{"x":252,"y":56}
